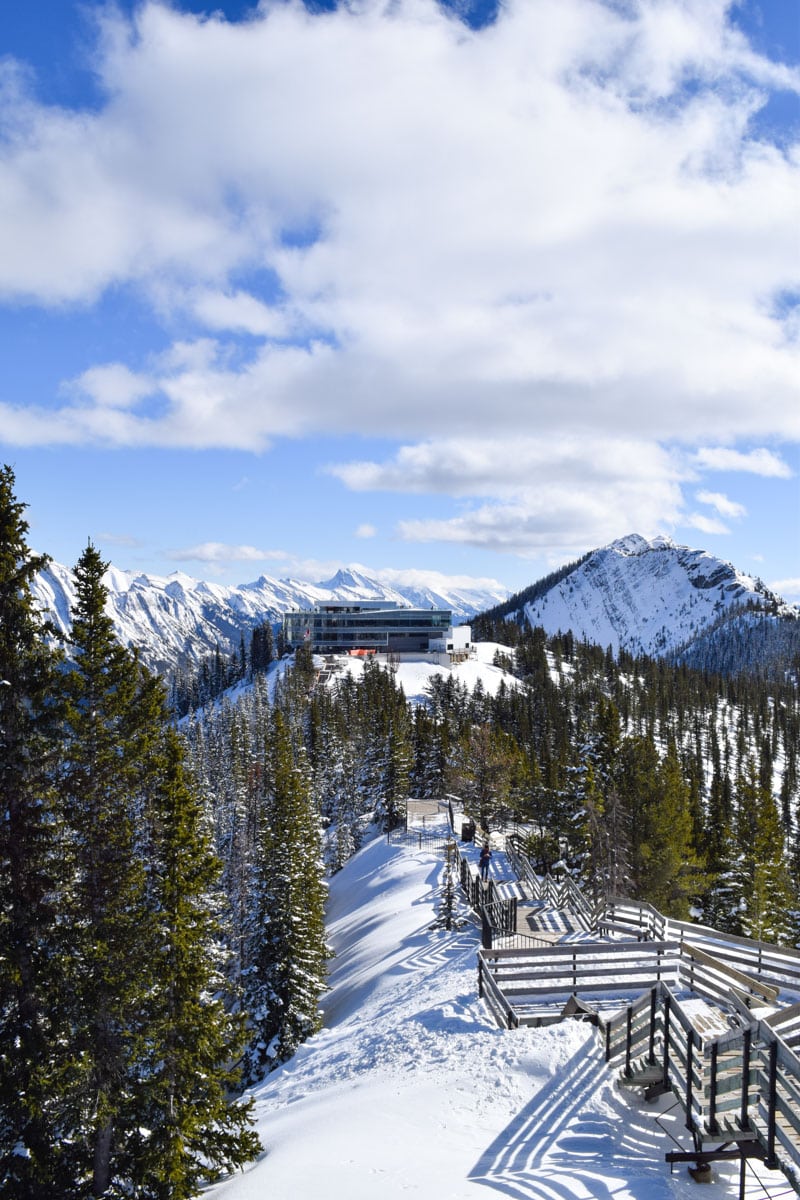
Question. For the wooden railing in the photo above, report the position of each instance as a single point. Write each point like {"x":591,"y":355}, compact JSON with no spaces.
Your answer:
{"x":775,"y":965}
{"x":526,"y":980}
{"x":560,"y":892}
{"x":738,"y":1086}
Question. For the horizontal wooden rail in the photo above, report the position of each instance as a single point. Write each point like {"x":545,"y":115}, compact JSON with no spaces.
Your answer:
{"x":765,"y":991}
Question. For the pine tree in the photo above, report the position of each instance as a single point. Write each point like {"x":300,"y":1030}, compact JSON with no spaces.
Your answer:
{"x":154,"y":1048}
{"x":194,"y":1131}
{"x":114,"y":933}
{"x":262,"y":648}
{"x":765,"y":893}
{"x":673,"y":870}
{"x":286,"y":972}
{"x":34,"y":1062}
{"x":489,"y":771}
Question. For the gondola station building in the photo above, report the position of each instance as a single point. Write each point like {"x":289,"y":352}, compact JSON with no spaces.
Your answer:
{"x":373,"y":626}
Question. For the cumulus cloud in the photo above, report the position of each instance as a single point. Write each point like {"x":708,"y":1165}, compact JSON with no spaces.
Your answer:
{"x":789,"y":589}
{"x":724,"y":506}
{"x":539,"y":216}
{"x":706,"y":524}
{"x":435,"y":580}
{"x":366,"y":530}
{"x":534,"y":254}
{"x":559,"y":494}
{"x":222,"y":552}
{"x":755,"y":462}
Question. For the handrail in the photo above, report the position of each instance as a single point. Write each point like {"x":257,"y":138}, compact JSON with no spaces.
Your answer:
{"x":768,"y":993}
{"x":778,"y":965}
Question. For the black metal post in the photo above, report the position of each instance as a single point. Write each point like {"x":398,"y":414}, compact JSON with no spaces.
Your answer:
{"x":628,"y":1028}
{"x":690,"y":1121}
{"x":744,"y":1120}
{"x":712,"y":1103}
{"x":666,"y":1039}
{"x":772,"y":1097}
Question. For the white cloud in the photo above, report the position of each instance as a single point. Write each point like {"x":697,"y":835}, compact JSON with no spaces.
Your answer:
{"x":113,"y":386}
{"x":366,"y":531}
{"x":507,"y":465}
{"x":560,"y":494}
{"x":534,"y":220}
{"x":724,"y":506}
{"x":705,"y":524}
{"x":239,"y":312}
{"x":222,"y":552}
{"x":788,"y":589}
{"x":755,"y":462}
{"x":435,"y":580}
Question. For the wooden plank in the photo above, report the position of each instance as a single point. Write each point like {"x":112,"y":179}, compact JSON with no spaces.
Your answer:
{"x":586,"y":949}
{"x":783,"y":1016}
{"x":626,"y":993}
{"x":760,"y":989}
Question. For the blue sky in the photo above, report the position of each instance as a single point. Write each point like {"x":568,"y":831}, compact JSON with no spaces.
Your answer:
{"x":457,"y":288}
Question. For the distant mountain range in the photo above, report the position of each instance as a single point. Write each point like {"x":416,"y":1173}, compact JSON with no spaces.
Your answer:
{"x":179,"y":620}
{"x":643,"y":596}
{"x":656,"y":598}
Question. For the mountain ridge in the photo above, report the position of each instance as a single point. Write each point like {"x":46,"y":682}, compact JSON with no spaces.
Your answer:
{"x":657,"y":598}
{"x":644,"y":596}
{"x":178,"y":620}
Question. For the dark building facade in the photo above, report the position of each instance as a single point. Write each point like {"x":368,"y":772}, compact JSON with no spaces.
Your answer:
{"x":336,"y":627}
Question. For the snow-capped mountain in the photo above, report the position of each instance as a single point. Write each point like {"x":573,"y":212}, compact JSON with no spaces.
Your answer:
{"x":177,"y":619}
{"x":649,"y":597}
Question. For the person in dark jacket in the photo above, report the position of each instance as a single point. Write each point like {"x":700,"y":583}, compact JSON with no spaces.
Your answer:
{"x":486,"y":855}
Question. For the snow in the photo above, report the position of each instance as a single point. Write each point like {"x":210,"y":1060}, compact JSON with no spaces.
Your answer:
{"x":414,"y":675}
{"x":412,"y":1089}
{"x":647,"y":596}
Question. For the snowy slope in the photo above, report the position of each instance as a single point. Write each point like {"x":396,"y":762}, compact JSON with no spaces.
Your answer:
{"x":647,"y":597}
{"x":411,"y":1089}
{"x":415,"y":676}
{"x":178,"y":618}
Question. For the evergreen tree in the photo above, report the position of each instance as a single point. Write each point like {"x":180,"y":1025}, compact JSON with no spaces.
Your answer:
{"x":765,"y":892}
{"x":155,"y":1050}
{"x":114,"y":932}
{"x":262,"y":648}
{"x":34,"y":1062}
{"x":489,"y":772}
{"x":194,"y":1130}
{"x":673,"y":869}
{"x":286,"y":974}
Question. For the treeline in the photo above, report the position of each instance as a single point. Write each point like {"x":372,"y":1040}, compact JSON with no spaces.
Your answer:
{"x":120,"y":1041}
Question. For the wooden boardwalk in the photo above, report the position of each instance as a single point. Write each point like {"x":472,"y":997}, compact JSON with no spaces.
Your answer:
{"x":680,"y":1007}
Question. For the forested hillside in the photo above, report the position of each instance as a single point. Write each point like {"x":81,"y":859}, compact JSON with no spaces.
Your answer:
{"x":659,"y":782}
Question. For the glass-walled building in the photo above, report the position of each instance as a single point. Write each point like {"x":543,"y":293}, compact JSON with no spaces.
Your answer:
{"x":335,"y":627}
